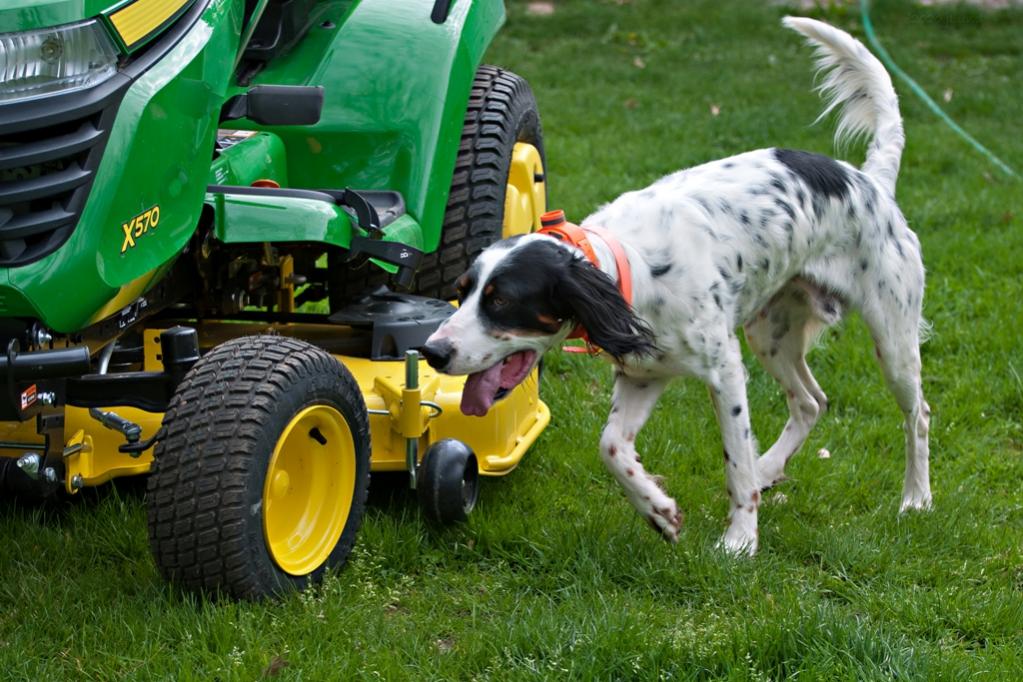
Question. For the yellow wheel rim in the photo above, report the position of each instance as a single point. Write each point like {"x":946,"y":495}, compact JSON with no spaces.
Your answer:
{"x":308,"y":490}
{"x":525,"y":197}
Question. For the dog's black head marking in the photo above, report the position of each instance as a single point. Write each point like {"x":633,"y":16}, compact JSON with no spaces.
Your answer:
{"x":541,"y":285}
{"x":517,"y":294}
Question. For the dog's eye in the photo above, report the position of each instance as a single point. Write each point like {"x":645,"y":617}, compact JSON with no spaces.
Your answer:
{"x":498,"y":302}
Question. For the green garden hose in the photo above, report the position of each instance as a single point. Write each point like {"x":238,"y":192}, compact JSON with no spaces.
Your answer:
{"x":868,"y":27}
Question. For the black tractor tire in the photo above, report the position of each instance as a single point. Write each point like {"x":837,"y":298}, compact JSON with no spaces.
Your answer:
{"x":205,"y":495}
{"x":501,"y":112}
{"x":448,"y":482}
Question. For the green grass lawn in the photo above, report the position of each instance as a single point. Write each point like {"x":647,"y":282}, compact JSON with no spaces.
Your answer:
{"x":555,"y":576}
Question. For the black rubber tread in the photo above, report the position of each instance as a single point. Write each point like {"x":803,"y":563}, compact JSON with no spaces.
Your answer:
{"x":445,"y":466}
{"x":205,"y":491}
{"x":501,"y":111}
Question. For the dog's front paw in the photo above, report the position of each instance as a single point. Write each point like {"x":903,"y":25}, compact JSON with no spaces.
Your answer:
{"x":666,"y":520}
{"x":739,"y":546}
{"x":920,"y":502}
{"x":741,"y":538}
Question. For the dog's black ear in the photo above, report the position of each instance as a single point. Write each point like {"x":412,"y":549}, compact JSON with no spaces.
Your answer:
{"x":594,"y":301}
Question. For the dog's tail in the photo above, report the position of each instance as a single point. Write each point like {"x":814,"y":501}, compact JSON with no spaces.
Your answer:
{"x":856,"y":82}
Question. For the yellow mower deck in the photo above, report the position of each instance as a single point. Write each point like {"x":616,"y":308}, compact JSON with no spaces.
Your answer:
{"x":428,"y":413}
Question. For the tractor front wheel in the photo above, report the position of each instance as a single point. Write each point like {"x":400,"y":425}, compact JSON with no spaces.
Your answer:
{"x":259,"y":483}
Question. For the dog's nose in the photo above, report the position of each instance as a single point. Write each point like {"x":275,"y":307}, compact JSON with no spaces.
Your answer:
{"x":438,"y":353}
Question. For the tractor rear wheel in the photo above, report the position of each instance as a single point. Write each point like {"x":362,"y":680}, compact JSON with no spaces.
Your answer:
{"x":498,"y":189}
{"x":259,"y":483}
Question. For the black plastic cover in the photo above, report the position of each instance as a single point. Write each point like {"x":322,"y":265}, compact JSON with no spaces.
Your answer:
{"x":277,"y":105}
{"x":397,"y":322}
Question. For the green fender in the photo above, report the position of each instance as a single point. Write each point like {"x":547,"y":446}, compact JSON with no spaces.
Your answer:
{"x":396,"y":90}
{"x":397,"y":85}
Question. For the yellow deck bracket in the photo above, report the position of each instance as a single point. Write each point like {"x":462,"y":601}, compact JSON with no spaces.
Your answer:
{"x":91,"y":453}
{"x":411,"y":419}
{"x":286,"y":289}
{"x":410,"y":423}
{"x":77,"y":452}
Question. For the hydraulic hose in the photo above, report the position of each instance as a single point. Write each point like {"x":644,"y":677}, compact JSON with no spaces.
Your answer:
{"x":883,"y":55}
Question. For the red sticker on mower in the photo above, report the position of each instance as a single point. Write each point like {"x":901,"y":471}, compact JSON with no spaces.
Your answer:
{"x":28,"y":397}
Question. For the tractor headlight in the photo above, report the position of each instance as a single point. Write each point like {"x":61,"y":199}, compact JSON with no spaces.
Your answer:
{"x":56,"y":59}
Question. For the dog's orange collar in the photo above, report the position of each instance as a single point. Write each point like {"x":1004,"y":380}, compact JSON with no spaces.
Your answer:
{"x":553,"y":223}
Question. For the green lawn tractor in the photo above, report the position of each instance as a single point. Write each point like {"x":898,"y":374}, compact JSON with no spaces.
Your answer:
{"x":225,"y":228}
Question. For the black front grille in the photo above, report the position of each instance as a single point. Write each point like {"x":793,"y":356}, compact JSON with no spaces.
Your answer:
{"x":49,"y":152}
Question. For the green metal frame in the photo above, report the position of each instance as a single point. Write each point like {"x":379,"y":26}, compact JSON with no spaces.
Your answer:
{"x":391,"y":122}
{"x":396,"y":86}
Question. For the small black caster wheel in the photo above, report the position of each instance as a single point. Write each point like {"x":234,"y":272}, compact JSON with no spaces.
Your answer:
{"x":448,"y":481}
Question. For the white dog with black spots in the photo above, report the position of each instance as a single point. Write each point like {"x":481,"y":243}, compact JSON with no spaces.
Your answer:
{"x":775,"y":241}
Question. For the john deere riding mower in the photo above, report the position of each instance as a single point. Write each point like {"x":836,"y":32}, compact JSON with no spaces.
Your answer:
{"x":225,"y":228}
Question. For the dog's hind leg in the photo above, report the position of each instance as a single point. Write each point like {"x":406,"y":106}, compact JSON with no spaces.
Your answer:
{"x":780,"y":335}
{"x":895,"y":328}
{"x":631,"y":404}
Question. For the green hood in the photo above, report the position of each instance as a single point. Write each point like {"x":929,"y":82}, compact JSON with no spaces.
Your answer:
{"x":21,"y":15}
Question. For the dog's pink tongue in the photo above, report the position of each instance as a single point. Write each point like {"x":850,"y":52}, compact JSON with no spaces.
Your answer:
{"x":479,"y":391}
{"x":481,"y":388}
{"x":515,"y":367}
